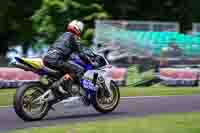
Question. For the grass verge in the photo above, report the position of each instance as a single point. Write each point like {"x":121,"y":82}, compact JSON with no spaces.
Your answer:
{"x":158,"y":91}
{"x":174,"y":123}
{"x":6,"y":97}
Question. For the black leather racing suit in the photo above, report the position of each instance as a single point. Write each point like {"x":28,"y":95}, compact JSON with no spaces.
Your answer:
{"x":58,"y":55}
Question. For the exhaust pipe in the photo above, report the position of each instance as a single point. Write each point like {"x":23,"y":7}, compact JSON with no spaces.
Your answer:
{"x":21,"y":66}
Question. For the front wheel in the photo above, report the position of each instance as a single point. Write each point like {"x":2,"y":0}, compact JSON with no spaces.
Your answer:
{"x":106,"y":104}
{"x":23,"y":102}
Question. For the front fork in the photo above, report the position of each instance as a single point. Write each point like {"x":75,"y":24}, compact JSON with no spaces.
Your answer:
{"x":105,"y":85}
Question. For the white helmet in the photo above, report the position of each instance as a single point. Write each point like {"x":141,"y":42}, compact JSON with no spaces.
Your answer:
{"x":75,"y":27}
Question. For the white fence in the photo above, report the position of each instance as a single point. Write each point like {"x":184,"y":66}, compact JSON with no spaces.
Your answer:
{"x":141,"y":25}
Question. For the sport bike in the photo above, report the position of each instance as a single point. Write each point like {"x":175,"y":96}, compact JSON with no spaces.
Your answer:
{"x":33,"y":100}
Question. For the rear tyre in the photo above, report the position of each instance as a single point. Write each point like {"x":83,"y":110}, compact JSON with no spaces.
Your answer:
{"x":113,"y":101}
{"x":23,"y":105}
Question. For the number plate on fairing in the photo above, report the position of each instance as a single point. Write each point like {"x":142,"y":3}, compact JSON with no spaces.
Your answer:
{"x":88,"y":85}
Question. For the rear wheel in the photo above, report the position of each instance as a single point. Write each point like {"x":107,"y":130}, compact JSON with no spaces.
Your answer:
{"x":106,"y":104}
{"x":23,"y":102}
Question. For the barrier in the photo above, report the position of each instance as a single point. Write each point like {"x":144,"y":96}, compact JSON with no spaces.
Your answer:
{"x":12,"y":84}
{"x":179,"y":76}
{"x":13,"y":77}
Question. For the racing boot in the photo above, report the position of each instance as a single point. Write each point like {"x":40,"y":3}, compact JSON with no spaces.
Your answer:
{"x":62,"y":86}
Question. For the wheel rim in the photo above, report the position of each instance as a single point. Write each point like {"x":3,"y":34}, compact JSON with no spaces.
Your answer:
{"x":107,"y":103}
{"x":33,"y":110}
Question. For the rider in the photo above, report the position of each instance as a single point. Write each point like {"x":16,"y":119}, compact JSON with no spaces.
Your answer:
{"x":59,"y":53}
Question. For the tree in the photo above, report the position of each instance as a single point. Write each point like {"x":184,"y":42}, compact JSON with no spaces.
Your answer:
{"x":15,"y":22}
{"x":154,"y":10}
{"x":52,"y":17}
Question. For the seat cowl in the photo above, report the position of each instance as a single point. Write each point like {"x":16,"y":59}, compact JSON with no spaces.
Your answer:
{"x":35,"y":63}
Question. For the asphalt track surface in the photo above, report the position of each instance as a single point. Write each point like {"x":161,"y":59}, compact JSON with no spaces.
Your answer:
{"x":129,"y":107}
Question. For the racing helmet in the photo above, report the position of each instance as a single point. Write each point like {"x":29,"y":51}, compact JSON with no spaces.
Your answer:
{"x":75,"y":27}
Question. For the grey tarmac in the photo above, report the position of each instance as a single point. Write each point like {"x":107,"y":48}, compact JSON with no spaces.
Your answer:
{"x":128,"y":107}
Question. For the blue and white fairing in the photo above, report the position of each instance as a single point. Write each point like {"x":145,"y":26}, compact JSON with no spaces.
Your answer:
{"x":87,"y":80}
{"x":86,"y":83}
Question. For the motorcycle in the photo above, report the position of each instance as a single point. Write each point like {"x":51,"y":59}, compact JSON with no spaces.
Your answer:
{"x":32,"y":101}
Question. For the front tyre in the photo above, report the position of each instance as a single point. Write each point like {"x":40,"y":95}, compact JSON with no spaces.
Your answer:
{"x":23,"y":105}
{"x":106,"y":104}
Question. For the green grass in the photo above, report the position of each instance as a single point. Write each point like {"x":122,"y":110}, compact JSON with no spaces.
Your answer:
{"x":168,"y":123}
{"x":6,"y":97}
{"x":134,"y":76}
{"x":158,"y":91}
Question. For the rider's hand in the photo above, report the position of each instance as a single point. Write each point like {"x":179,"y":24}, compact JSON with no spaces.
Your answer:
{"x":84,"y":58}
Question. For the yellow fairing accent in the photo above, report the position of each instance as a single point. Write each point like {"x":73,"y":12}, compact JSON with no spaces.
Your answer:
{"x":34,"y":62}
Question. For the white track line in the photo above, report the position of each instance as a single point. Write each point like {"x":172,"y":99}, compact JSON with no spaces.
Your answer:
{"x":133,"y":97}
{"x":136,"y":97}
{"x":6,"y":106}
{"x":123,"y":98}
